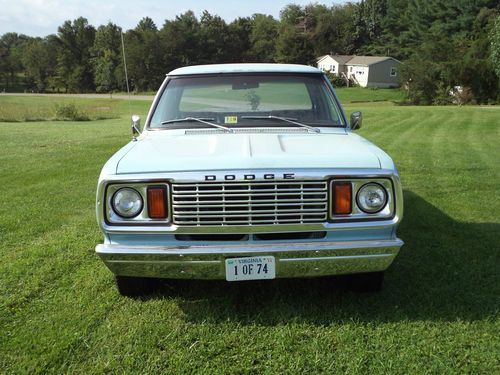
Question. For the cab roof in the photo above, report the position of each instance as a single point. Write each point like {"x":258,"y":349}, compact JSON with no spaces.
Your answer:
{"x":243,"y":68}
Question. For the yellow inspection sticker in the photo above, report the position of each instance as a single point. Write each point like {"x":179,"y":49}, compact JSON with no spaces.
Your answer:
{"x":230,"y":119}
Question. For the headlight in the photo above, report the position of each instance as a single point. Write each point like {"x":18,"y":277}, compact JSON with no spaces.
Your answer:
{"x":127,"y":203}
{"x":371,"y":198}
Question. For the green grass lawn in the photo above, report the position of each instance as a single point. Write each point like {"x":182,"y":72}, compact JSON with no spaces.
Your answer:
{"x":437,"y":314}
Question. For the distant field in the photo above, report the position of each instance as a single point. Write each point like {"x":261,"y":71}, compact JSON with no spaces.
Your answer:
{"x":437,"y":314}
{"x":30,"y":108}
{"x":43,"y":108}
{"x":362,"y":94}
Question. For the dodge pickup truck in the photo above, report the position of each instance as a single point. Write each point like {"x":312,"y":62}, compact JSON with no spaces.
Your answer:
{"x":247,"y":172}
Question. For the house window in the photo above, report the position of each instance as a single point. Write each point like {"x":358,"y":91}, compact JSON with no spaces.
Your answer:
{"x":332,"y":68}
{"x":350,"y":69}
{"x":393,"y":72}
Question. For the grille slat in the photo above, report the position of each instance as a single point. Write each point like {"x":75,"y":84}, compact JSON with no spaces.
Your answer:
{"x":247,"y":203}
{"x":249,"y":194}
{"x":270,"y":201}
{"x":255,"y":214}
{"x":244,"y":192}
{"x":254,"y":204}
{"x":246,"y":222}
{"x":185,"y":213}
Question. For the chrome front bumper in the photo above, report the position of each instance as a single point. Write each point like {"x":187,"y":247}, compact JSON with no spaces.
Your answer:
{"x":306,"y":259}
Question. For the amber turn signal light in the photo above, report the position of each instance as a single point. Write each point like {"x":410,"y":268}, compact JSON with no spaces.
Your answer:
{"x":342,"y":198}
{"x":157,"y":203}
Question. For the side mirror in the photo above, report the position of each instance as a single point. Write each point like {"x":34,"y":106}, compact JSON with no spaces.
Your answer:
{"x":136,"y":126}
{"x":356,"y":120}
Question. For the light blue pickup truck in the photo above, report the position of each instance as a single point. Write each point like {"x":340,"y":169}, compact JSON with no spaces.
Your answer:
{"x":247,"y":172}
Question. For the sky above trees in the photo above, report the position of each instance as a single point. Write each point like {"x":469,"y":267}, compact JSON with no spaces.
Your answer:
{"x":41,"y":18}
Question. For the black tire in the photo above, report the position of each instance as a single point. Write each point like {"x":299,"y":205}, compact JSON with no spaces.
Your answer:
{"x":366,"y":282}
{"x":136,"y":286}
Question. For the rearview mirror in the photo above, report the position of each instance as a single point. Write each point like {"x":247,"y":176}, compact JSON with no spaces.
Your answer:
{"x":136,"y":126}
{"x":245,"y":85}
{"x":356,"y":120}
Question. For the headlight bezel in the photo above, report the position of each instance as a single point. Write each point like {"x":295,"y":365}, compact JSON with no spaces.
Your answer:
{"x":111,"y":217}
{"x":387,"y":212}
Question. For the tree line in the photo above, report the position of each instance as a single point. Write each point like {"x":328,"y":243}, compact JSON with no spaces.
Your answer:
{"x":442,"y":43}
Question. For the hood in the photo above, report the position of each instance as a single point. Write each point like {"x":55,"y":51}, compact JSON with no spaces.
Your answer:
{"x":166,"y":151}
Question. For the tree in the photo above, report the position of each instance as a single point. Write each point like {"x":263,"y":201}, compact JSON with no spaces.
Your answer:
{"x":394,"y":39}
{"x":476,"y":68}
{"x":145,"y":60}
{"x":74,"y":60}
{"x":107,"y":58}
{"x":39,"y":60}
{"x":213,"y":36}
{"x":450,"y":47}
{"x":263,"y":38}
{"x":495,"y":46}
{"x":368,"y":21}
{"x":180,"y":40}
{"x":293,"y":45}
{"x":332,"y":30}
{"x":292,"y":14}
{"x":422,"y":74}
{"x":238,"y":43}
{"x":11,"y":45}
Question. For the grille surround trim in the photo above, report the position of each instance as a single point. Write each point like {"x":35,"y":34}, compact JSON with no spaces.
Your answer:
{"x":228,"y":203}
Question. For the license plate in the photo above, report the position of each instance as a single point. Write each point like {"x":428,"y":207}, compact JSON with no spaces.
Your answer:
{"x":250,"y":268}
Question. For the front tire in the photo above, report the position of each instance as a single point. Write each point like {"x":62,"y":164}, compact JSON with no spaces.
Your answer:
{"x":370,"y":282}
{"x":135,"y":286}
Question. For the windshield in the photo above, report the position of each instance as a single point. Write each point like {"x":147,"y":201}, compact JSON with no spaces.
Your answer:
{"x":246,"y":100}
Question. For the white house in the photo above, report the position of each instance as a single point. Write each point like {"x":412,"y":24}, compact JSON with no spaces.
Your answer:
{"x":334,"y":63}
{"x":366,"y":71}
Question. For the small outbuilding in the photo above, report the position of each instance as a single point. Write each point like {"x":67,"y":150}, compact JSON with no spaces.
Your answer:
{"x":366,"y":71}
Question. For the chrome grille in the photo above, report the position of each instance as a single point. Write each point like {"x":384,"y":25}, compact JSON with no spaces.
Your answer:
{"x":249,"y":203}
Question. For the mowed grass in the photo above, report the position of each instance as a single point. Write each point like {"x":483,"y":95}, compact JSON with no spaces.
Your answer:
{"x":437,"y":314}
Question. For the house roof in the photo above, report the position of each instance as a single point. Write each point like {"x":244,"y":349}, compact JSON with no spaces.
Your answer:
{"x":368,"y":60}
{"x":340,"y":59}
{"x":244,"y":68}
{"x":356,"y":60}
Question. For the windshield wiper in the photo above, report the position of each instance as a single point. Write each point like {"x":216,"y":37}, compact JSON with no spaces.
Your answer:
{"x":202,"y":120}
{"x":285,"y":119}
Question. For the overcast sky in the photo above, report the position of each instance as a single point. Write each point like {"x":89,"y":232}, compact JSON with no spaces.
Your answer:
{"x":42,"y":17}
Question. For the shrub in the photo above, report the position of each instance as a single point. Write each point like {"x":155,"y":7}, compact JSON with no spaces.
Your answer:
{"x":335,"y":79}
{"x":69,"y":112}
